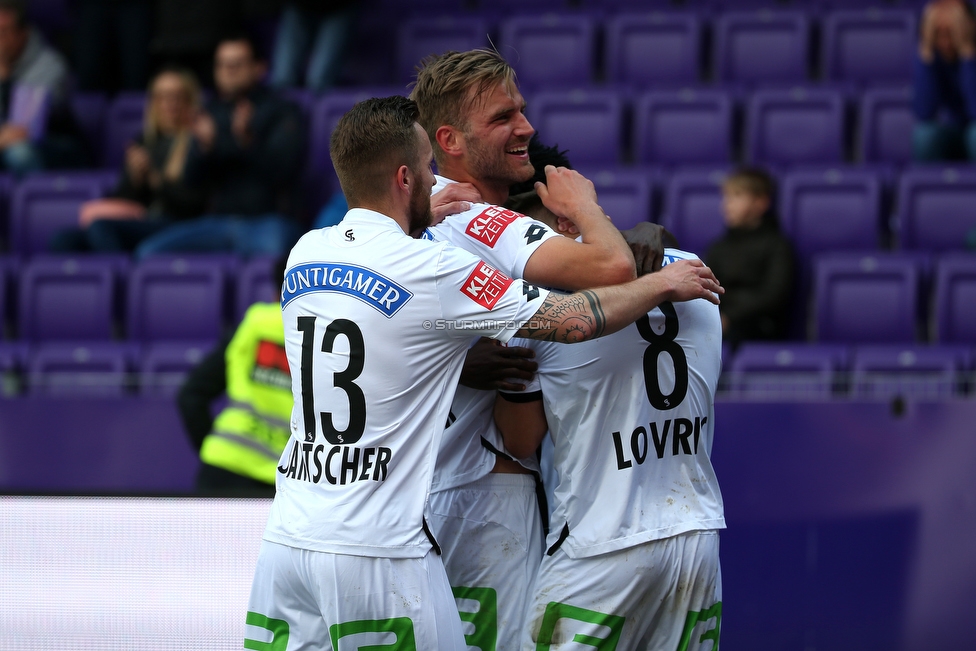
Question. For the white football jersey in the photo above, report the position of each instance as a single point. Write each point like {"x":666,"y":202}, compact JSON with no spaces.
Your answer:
{"x":505,"y":240}
{"x":373,"y":377}
{"x":631,"y":417}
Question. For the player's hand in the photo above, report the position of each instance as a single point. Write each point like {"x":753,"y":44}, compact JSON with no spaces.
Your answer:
{"x":455,"y":198}
{"x":567,"y":193}
{"x":691,"y":279}
{"x":489,"y":365}
{"x":205,"y":131}
{"x":240,"y":122}
{"x":137,"y":163}
{"x":647,"y":242}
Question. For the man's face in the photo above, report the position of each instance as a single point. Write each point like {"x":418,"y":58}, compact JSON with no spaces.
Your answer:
{"x":420,"y":216}
{"x":496,"y":137}
{"x":236,"y":71}
{"x":13,"y":37}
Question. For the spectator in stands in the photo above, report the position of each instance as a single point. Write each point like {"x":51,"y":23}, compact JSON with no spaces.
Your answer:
{"x":945,"y":83}
{"x":239,"y":449}
{"x":155,"y":190}
{"x":33,"y":97}
{"x":311,"y":40}
{"x":754,"y":260}
{"x":253,"y":151}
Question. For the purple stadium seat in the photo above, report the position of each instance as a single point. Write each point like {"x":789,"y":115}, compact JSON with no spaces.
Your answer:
{"x":935,"y":209}
{"x":795,"y":127}
{"x":761,"y":47}
{"x":918,"y":372}
{"x":70,"y":298}
{"x":653,"y":49}
{"x":164,"y":365}
{"x":89,"y":111}
{"x":420,"y":37}
{"x":255,"y":283}
{"x":869,"y":46}
{"x":326,"y":112}
{"x":786,"y":371}
{"x":123,"y":124}
{"x":954,"y":304}
{"x":693,"y":208}
{"x":549,"y":50}
{"x":43,"y":204}
{"x":177,"y":298}
{"x":831,"y":210}
{"x":685,"y":127}
{"x":7,"y":272}
{"x":626,"y":195}
{"x":89,"y":368}
{"x":13,"y":361}
{"x":586,"y":123}
{"x":886,"y":122}
{"x":6,"y":189}
{"x":867,"y":298}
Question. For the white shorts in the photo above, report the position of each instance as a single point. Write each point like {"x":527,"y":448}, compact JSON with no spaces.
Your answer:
{"x":314,"y":601}
{"x":490,"y":534}
{"x":665,"y":595}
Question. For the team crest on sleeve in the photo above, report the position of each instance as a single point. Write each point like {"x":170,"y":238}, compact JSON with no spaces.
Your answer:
{"x":485,"y":285}
{"x":490,"y":224}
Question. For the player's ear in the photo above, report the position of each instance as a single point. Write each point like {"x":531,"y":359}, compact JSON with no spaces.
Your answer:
{"x":404,"y":178}
{"x":449,"y":140}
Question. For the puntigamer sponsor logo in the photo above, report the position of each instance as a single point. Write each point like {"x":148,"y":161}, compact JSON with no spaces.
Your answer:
{"x":350,"y":279}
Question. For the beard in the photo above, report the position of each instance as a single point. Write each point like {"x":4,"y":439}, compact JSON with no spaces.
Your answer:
{"x":420,"y":215}
{"x":496,"y":167}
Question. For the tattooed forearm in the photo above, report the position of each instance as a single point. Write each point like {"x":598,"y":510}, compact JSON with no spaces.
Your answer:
{"x":567,"y":319}
{"x":596,"y":308}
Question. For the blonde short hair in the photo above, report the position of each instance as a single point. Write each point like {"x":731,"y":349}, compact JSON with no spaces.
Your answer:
{"x":444,"y":84}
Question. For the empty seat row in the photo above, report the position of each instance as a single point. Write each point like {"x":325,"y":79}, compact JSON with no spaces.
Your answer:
{"x":798,"y":371}
{"x":652,"y":47}
{"x":97,"y":368}
{"x":103,"y":298}
{"x":893,"y":298}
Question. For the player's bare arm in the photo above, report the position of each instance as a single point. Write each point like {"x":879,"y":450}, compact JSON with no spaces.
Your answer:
{"x":522,"y":424}
{"x":602,"y":258}
{"x":597,"y":312}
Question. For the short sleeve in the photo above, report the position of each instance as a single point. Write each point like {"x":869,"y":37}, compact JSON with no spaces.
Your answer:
{"x":477,"y":299}
{"x":503,"y":238}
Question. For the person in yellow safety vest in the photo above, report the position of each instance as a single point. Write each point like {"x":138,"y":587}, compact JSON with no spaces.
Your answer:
{"x":239,"y":449}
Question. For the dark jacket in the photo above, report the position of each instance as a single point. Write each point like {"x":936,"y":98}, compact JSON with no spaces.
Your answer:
{"x":756,"y":268}
{"x":944,"y":90}
{"x":257,"y":179}
{"x":175,"y":200}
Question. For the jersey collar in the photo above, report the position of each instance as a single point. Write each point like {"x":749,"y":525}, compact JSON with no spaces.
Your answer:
{"x":371,"y":218}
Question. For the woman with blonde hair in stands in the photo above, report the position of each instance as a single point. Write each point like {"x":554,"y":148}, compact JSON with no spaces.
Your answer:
{"x":157,"y":187}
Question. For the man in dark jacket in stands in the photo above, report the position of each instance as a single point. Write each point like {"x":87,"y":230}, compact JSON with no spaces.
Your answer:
{"x":754,"y":260}
{"x":253,"y":144}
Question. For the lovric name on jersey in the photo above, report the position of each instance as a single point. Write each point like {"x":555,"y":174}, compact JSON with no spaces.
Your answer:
{"x":680,"y":430}
{"x":336,"y":464}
